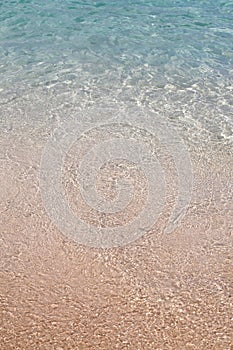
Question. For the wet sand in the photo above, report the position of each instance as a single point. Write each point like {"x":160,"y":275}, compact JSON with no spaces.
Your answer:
{"x":160,"y":292}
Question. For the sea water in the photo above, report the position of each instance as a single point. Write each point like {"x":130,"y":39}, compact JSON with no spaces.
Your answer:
{"x":142,"y":51}
{"x":158,"y":67}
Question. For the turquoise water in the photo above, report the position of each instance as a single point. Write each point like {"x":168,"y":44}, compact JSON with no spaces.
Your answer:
{"x":178,"y":42}
{"x":146,"y":52}
{"x":69,"y":63}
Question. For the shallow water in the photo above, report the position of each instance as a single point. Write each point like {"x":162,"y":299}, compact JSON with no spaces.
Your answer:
{"x":159,"y":74}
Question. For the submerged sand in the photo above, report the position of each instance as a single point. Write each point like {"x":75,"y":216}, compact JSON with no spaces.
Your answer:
{"x":159,"y":292}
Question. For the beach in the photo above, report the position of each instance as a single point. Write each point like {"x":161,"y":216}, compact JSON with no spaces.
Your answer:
{"x":163,"y":291}
{"x":116,"y":175}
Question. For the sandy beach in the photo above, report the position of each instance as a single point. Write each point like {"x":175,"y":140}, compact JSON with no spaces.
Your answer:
{"x":160,"y":292}
{"x":116,"y":175}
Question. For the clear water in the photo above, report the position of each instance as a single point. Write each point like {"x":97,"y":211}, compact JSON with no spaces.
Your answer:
{"x":126,"y":50}
{"x":177,"y":42}
{"x":68,"y":58}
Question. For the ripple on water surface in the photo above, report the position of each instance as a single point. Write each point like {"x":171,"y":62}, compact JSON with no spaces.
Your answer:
{"x":64,"y":61}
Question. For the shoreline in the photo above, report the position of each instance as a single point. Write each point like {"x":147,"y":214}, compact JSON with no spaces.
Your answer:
{"x":56,"y":289}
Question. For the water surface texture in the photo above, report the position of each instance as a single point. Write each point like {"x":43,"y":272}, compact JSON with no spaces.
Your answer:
{"x":77,"y":79}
